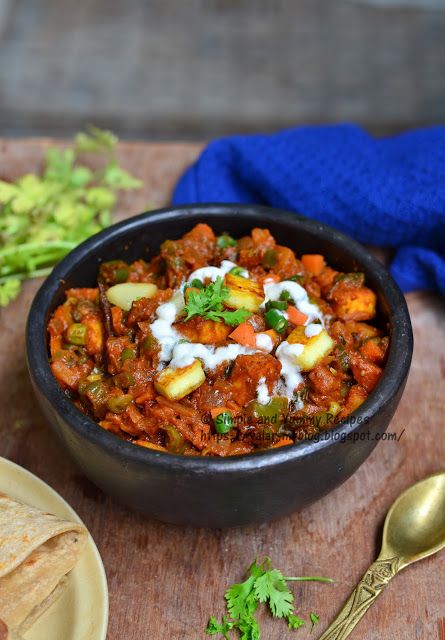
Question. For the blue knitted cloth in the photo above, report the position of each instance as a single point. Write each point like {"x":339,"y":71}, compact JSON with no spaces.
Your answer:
{"x":387,"y":192}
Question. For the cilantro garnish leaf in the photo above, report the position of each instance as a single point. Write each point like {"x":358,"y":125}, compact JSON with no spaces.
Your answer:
{"x":257,"y":570}
{"x":43,"y":217}
{"x":214,"y":627}
{"x":249,"y":628}
{"x":314,"y":619}
{"x":239,"y":602}
{"x":294,"y":622}
{"x":271,"y":587}
{"x":208,"y":303}
{"x":263,"y":584}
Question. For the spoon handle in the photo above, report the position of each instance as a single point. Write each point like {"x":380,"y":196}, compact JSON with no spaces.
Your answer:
{"x":375,"y":579}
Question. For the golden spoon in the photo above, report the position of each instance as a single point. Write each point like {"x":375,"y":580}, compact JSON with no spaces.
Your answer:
{"x":414,"y":529}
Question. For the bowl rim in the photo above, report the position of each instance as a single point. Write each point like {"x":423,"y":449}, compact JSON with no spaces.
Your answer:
{"x":393,"y":378}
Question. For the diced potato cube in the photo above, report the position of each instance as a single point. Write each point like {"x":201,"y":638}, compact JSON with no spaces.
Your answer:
{"x":355,"y":304}
{"x":356,"y":396}
{"x":123,"y":295}
{"x":175,"y":384}
{"x":315,"y":348}
{"x":363,"y":330}
{"x":298,"y":336}
{"x":94,"y":338}
{"x":243,"y":300}
{"x":243,"y":293}
{"x":204,"y":331}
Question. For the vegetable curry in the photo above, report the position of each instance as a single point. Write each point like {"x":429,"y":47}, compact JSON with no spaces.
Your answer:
{"x":218,"y":346}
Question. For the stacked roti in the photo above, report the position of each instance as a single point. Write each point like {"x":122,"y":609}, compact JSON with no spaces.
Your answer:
{"x":37,"y":551}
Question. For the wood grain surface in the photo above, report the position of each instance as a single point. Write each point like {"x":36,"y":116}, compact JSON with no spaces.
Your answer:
{"x":165,"y":580}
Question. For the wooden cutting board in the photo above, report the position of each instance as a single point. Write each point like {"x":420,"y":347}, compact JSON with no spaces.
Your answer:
{"x":166,"y":580}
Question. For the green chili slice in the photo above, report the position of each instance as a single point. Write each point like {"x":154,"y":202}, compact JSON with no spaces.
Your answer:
{"x":118,"y":404}
{"x":270,"y":258}
{"x":281,"y":305}
{"x":271,"y":413}
{"x":121,"y":275}
{"x":298,"y":277}
{"x":77,"y":333}
{"x":355,"y":279}
{"x":285,"y":295}
{"x":276,"y":320}
{"x":237,"y":271}
{"x":175,"y":441}
{"x":149,"y":343}
{"x":127,"y":354}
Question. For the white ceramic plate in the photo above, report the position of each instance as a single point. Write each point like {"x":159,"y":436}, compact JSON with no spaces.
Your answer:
{"x":81,"y":613}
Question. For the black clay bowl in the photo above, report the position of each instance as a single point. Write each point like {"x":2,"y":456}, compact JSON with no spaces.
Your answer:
{"x":210,"y":491}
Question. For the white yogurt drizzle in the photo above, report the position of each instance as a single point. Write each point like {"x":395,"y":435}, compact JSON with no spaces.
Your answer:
{"x":185,"y":353}
{"x":164,"y":332}
{"x":312,"y":330}
{"x":286,"y":352}
{"x":162,"y":328}
{"x":264,"y":342}
{"x":290,"y":372}
{"x":212,"y":273}
{"x":262,"y":391}
{"x":177,"y":354}
{"x":299,"y":296}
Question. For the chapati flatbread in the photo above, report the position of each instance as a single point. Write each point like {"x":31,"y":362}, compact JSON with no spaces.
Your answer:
{"x":37,"y":551}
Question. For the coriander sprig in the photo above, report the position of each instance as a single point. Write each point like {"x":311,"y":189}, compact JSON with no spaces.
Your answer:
{"x":43,"y":217}
{"x":208,"y":303}
{"x":263,"y":584}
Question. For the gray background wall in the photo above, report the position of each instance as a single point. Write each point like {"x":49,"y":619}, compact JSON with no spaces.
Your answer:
{"x":194,"y":68}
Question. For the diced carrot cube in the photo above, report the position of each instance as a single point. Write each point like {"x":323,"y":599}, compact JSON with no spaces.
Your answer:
{"x":296,"y":316}
{"x":314,"y":263}
{"x":244,"y":334}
